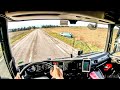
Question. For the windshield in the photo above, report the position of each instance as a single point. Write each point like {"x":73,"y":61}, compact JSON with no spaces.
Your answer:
{"x":39,"y":40}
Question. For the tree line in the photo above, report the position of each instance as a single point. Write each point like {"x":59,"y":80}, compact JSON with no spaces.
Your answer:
{"x":34,"y":27}
{"x":23,"y":28}
{"x":51,"y":26}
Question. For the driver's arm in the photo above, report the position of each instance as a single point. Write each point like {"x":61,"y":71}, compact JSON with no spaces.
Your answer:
{"x":56,"y":72}
{"x":18,"y":76}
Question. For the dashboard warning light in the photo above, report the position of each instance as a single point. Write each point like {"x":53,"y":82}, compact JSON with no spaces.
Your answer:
{"x":107,"y":67}
{"x":55,"y":63}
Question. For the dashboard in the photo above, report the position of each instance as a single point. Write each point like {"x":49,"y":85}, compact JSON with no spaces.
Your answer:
{"x":70,"y":68}
{"x":77,"y":67}
{"x":81,"y":65}
{"x":64,"y":65}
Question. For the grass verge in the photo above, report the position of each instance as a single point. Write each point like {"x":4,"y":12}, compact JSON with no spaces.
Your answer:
{"x":14,"y":37}
{"x":18,"y":36}
{"x":78,"y":44}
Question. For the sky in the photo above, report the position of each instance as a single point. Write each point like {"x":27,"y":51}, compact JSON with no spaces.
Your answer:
{"x":20,"y":24}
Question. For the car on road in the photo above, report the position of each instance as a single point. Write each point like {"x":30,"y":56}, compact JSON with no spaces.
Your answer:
{"x":66,"y":34}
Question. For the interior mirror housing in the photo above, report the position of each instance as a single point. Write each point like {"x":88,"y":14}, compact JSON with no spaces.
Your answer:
{"x":72,"y":21}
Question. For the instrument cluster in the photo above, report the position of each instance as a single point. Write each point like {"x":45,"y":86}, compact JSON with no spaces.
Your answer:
{"x":64,"y":65}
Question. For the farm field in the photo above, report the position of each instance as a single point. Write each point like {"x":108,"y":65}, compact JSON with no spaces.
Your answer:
{"x":84,"y":39}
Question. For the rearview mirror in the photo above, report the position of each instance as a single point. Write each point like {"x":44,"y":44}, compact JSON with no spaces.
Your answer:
{"x":73,"y":21}
{"x":92,"y":26}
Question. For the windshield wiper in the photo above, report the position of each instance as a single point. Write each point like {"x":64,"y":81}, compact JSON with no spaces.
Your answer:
{"x":88,"y":46}
{"x":85,"y":44}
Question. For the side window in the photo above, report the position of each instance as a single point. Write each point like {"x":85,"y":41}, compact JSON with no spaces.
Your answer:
{"x":4,"y":72}
{"x":113,"y":42}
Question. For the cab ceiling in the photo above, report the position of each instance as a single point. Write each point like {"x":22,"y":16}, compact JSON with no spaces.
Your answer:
{"x":91,"y":16}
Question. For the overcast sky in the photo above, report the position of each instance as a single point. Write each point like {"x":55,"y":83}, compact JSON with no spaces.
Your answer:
{"x":20,"y":24}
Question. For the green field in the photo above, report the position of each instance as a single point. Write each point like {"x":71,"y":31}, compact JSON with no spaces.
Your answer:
{"x":14,"y":37}
{"x":85,"y":39}
{"x":78,"y":44}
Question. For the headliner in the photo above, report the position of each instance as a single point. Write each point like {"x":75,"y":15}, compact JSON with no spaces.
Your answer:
{"x":99,"y":10}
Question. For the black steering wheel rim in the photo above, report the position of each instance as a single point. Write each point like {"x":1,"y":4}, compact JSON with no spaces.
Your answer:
{"x":30,"y":64}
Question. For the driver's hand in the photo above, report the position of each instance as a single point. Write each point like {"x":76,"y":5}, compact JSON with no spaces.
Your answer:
{"x":17,"y":76}
{"x":56,"y":72}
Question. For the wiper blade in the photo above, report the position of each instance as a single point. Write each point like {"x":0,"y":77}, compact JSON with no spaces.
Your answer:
{"x":63,"y":58}
{"x":88,"y":47}
{"x":85,"y":44}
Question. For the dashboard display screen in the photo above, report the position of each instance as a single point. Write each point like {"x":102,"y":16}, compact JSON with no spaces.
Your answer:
{"x":86,"y":65}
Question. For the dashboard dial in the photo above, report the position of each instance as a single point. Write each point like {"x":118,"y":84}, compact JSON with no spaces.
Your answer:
{"x":38,"y":68}
{"x":31,"y":69}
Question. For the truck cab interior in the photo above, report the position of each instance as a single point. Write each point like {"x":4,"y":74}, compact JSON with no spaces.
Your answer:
{"x":92,"y":65}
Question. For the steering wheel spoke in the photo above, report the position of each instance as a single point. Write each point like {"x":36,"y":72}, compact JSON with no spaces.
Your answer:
{"x":39,"y":65}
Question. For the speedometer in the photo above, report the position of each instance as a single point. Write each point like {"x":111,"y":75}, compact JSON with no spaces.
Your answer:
{"x":38,"y":68}
{"x":33,"y":68}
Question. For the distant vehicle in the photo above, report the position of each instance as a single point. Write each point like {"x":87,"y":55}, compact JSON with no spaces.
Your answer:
{"x":66,"y":34}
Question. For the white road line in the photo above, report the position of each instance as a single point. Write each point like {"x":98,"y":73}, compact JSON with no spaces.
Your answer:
{"x":50,"y":37}
{"x":61,"y":49}
{"x":19,"y":42}
{"x":31,"y":51}
{"x":1,"y":59}
{"x":30,"y":59}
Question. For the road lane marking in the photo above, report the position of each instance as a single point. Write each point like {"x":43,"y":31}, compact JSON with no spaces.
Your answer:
{"x":30,"y":59}
{"x":61,"y":49}
{"x":23,"y":39}
{"x":53,"y":40}
{"x":1,"y":59}
{"x":33,"y":43}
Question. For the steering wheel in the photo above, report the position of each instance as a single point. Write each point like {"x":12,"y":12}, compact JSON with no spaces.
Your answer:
{"x":29,"y":65}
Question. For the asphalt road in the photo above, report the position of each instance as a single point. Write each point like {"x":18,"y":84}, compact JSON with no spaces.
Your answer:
{"x":37,"y":46}
{"x":4,"y":73}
